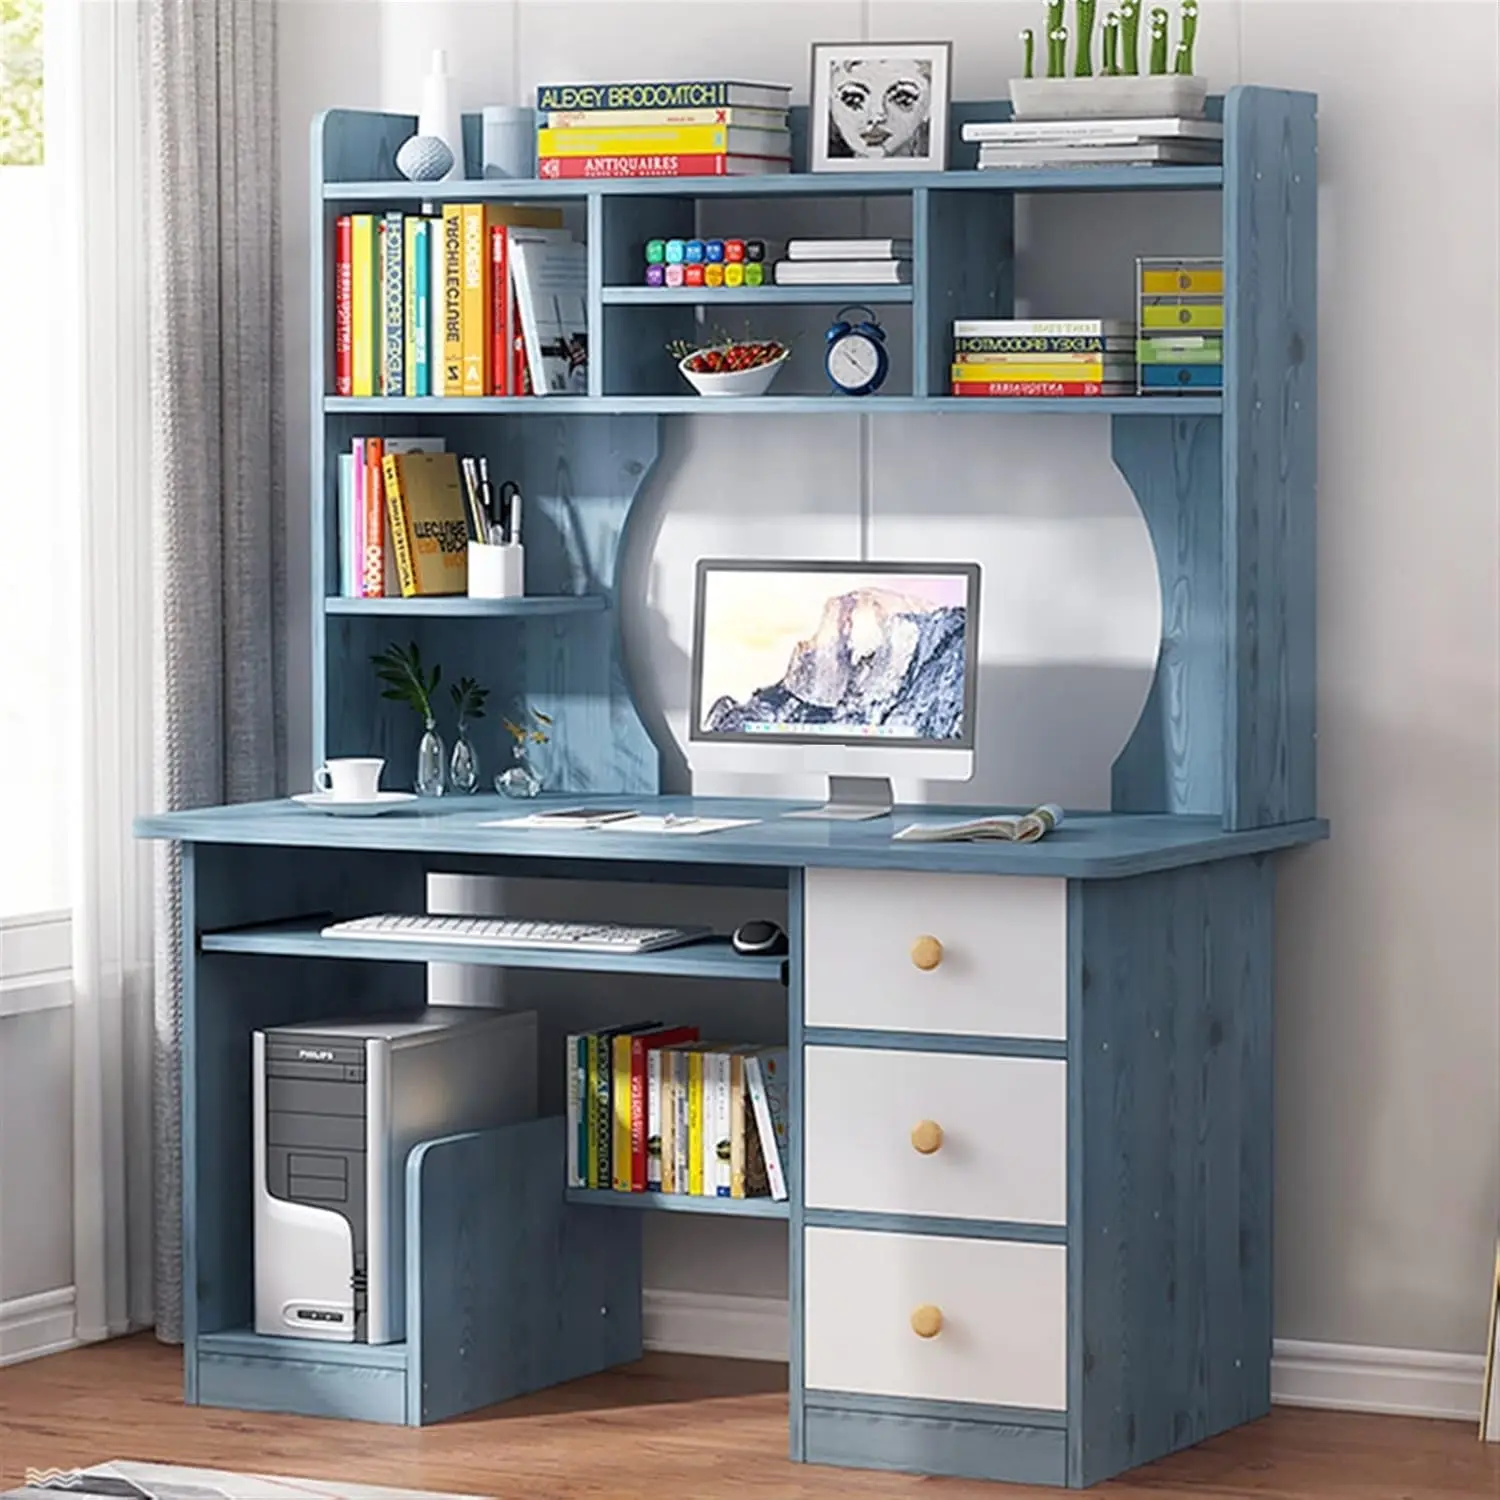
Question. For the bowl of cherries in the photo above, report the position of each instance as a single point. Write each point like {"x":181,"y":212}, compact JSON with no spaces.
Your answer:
{"x":735,"y":367}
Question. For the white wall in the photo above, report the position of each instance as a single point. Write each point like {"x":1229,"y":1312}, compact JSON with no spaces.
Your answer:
{"x":1388,"y":1187}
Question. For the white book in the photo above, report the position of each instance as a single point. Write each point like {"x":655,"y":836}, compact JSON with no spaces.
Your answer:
{"x":684,"y":1118}
{"x":574,"y":1180}
{"x":551,"y":274}
{"x":843,"y":272}
{"x":848,"y":250}
{"x":1148,"y":153}
{"x":770,"y":1148}
{"x":1172,"y":127}
{"x":435,"y":310}
{"x":653,"y":1119}
{"x":1043,"y":327}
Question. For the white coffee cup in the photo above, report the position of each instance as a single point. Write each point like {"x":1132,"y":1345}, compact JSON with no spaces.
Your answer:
{"x":350,"y":779}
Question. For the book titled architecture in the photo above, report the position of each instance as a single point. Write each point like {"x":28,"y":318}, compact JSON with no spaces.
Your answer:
{"x":1025,"y":828}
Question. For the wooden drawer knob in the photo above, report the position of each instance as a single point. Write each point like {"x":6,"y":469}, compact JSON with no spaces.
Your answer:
{"x":926,"y":1136}
{"x":927,"y":1321}
{"x":927,"y":953}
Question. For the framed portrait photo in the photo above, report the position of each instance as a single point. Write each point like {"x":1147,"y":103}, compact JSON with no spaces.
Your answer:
{"x":879,"y":106}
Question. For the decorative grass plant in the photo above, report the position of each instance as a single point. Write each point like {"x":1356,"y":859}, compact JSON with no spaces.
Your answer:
{"x":1120,"y":38}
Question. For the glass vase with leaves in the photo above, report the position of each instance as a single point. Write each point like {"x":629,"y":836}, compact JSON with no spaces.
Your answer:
{"x":407,"y":680}
{"x":463,"y":766}
{"x":521,"y":778}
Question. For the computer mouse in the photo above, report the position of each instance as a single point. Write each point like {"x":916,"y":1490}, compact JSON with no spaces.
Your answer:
{"x":760,"y":938}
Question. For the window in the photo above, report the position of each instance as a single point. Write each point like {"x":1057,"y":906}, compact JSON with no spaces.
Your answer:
{"x":38,"y":391}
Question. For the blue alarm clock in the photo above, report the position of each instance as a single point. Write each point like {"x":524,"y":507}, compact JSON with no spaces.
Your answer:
{"x":856,"y":357}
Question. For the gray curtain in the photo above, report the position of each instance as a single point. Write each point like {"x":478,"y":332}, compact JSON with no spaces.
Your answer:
{"x":213,"y":249}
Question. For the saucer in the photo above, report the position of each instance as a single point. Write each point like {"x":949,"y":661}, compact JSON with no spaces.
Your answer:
{"x":348,"y":807}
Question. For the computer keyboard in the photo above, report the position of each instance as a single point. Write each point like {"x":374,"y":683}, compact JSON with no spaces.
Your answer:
{"x":518,"y":932}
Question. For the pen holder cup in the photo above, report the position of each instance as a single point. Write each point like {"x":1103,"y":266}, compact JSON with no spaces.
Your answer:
{"x":497,"y":572}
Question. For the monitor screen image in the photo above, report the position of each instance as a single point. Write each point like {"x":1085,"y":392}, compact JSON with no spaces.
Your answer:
{"x":816,"y":652}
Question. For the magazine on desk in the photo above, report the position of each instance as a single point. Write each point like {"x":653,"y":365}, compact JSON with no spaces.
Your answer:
{"x":1020,"y":828}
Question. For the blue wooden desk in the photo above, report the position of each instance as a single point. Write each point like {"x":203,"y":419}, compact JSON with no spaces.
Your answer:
{"x":1095,"y":1043}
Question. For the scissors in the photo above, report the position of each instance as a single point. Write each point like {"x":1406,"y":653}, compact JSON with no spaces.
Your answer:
{"x":504,"y":513}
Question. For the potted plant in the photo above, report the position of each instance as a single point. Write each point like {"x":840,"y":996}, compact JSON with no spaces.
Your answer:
{"x":1167,"y":86}
{"x":468,"y":702}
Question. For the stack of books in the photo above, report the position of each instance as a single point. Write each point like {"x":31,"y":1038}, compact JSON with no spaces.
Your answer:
{"x":710,"y":128}
{"x":1032,"y":144}
{"x":1181,"y":346}
{"x":651,"y":1108}
{"x":1039,"y":357}
{"x":485,"y":299}
{"x":845,"y":263}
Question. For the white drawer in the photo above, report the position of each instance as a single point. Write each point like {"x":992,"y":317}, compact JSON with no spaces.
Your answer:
{"x":1001,"y":968}
{"x":1002,"y":1152}
{"x":1003,"y":1307}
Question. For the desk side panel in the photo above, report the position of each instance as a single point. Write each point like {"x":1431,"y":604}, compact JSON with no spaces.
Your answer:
{"x":1271,"y":455}
{"x":1170,"y":1057}
{"x":510,"y":1288}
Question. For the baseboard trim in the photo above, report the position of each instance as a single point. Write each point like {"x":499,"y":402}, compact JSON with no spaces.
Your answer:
{"x":1337,"y":1377}
{"x":725,"y":1326}
{"x":1393,"y":1382}
{"x":33,"y":1326}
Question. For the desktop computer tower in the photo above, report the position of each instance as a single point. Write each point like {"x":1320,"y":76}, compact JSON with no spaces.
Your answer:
{"x":337,"y":1107}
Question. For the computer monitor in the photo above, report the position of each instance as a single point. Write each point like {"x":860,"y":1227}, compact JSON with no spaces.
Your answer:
{"x":859,"y":670}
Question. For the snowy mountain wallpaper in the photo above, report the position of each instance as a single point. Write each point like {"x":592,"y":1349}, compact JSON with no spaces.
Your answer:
{"x":830,"y":653}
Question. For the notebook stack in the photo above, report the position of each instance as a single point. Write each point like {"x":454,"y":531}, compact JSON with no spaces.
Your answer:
{"x":845,"y":263}
{"x":709,"y":128}
{"x":1181,"y":345}
{"x":1044,"y":144}
{"x":1041,"y":357}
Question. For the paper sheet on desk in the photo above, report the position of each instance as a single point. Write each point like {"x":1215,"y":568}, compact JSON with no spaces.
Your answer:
{"x":641,"y":824}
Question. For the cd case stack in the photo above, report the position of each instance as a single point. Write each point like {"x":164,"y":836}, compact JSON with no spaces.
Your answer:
{"x":1181,"y":319}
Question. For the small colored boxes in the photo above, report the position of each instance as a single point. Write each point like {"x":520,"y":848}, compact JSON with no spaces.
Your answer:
{"x":755,"y":274}
{"x":693,"y":253}
{"x":734,"y":251}
{"x":656,"y":275}
{"x":1180,"y":338}
{"x":656,"y":252}
{"x":734,"y":273}
{"x":676,"y":252}
{"x":676,"y":274}
{"x":713,"y":273}
{"x":710,"y":264}
{"x":713,"y":252}
{"x":692,"y":274}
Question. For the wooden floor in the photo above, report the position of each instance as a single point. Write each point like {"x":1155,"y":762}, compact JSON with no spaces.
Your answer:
{"x":667,"y":1427}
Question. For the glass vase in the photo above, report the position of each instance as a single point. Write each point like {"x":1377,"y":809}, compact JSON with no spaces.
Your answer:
{"x":520,"y":780}
{"x":432,"y":763}
{"x":463,"y":765}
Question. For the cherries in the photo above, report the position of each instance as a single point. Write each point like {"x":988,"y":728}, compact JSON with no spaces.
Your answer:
{"x":728,"y":359}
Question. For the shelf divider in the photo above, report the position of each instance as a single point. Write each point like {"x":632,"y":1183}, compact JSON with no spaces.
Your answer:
{"x":682,"y":1203}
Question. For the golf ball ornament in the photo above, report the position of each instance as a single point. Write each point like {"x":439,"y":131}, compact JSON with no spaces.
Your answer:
{"x":857,"y":359}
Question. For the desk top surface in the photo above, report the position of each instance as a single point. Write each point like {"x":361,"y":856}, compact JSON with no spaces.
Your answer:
{"x":1087,"y":846}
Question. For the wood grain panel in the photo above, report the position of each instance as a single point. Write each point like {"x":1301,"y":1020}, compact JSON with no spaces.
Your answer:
{"x":967,"y":271}
{"x":1174,"y":760}
{"x":1170,"y":1207}
{"x":511,"y":1288}
{"x":1270,"y":454}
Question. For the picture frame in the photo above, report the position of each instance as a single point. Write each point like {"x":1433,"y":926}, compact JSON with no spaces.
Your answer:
{"x":879,"y":106}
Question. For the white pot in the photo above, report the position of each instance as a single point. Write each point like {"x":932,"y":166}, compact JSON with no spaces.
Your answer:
{"x":754,"y":382}
{"x":1148,"y":96}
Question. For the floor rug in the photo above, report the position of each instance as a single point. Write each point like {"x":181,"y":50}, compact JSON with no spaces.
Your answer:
{"x":123,"y":1480}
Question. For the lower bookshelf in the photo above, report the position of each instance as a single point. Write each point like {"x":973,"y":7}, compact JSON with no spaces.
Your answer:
{"x":682,"y":1203}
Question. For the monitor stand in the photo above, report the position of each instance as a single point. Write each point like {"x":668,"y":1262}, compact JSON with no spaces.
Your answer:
{"x":853,"y":799}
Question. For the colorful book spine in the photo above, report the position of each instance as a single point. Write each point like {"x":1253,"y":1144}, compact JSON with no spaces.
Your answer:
{"x":590,"y":1115}
{"x":670,"y":1058}
{"x":704,"y":164}
{"x":418,"y":332}
{"x":435,"y":272}
{"x":697,"y":94}
{"x":348,"y":554}
{"x":392,"y":305}
{"x":737,"y":1125}
{"x":1013,"y":370}
{"x":574,"y":1105}
{"x":620,"y":1105}
{"x":655,"y":140}
{"x":653,"y":1151}
{"x":1039,"y":345}
{"x":399,"y":526}
{"x":695,"y":1124}
{"x":603,"y":1121}
{"x":720,"y":1147}
{"x":476,"y":312}
{"x":453,"y":303}
{"x":372,"y":522}
{"x":1047,"y":388}
{"x":343,"y":310}
{"x":500,"y":316}
{"x":613,"y":119}
{"x":362,"y":269}
{"x":578,"y":1067}
{"x":643,"y":1047}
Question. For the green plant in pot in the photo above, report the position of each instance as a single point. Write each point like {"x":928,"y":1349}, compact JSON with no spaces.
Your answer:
{"x":407,"y":680}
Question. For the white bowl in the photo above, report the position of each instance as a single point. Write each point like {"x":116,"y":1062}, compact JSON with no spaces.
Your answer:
{"x":754,"y":382}
{"x":1147,"y":96}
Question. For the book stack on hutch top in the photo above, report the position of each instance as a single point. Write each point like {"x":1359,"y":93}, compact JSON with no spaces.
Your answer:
{"x":1043,"y":357}
{"x":483,"y":299}
{"x":707,"y":128}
